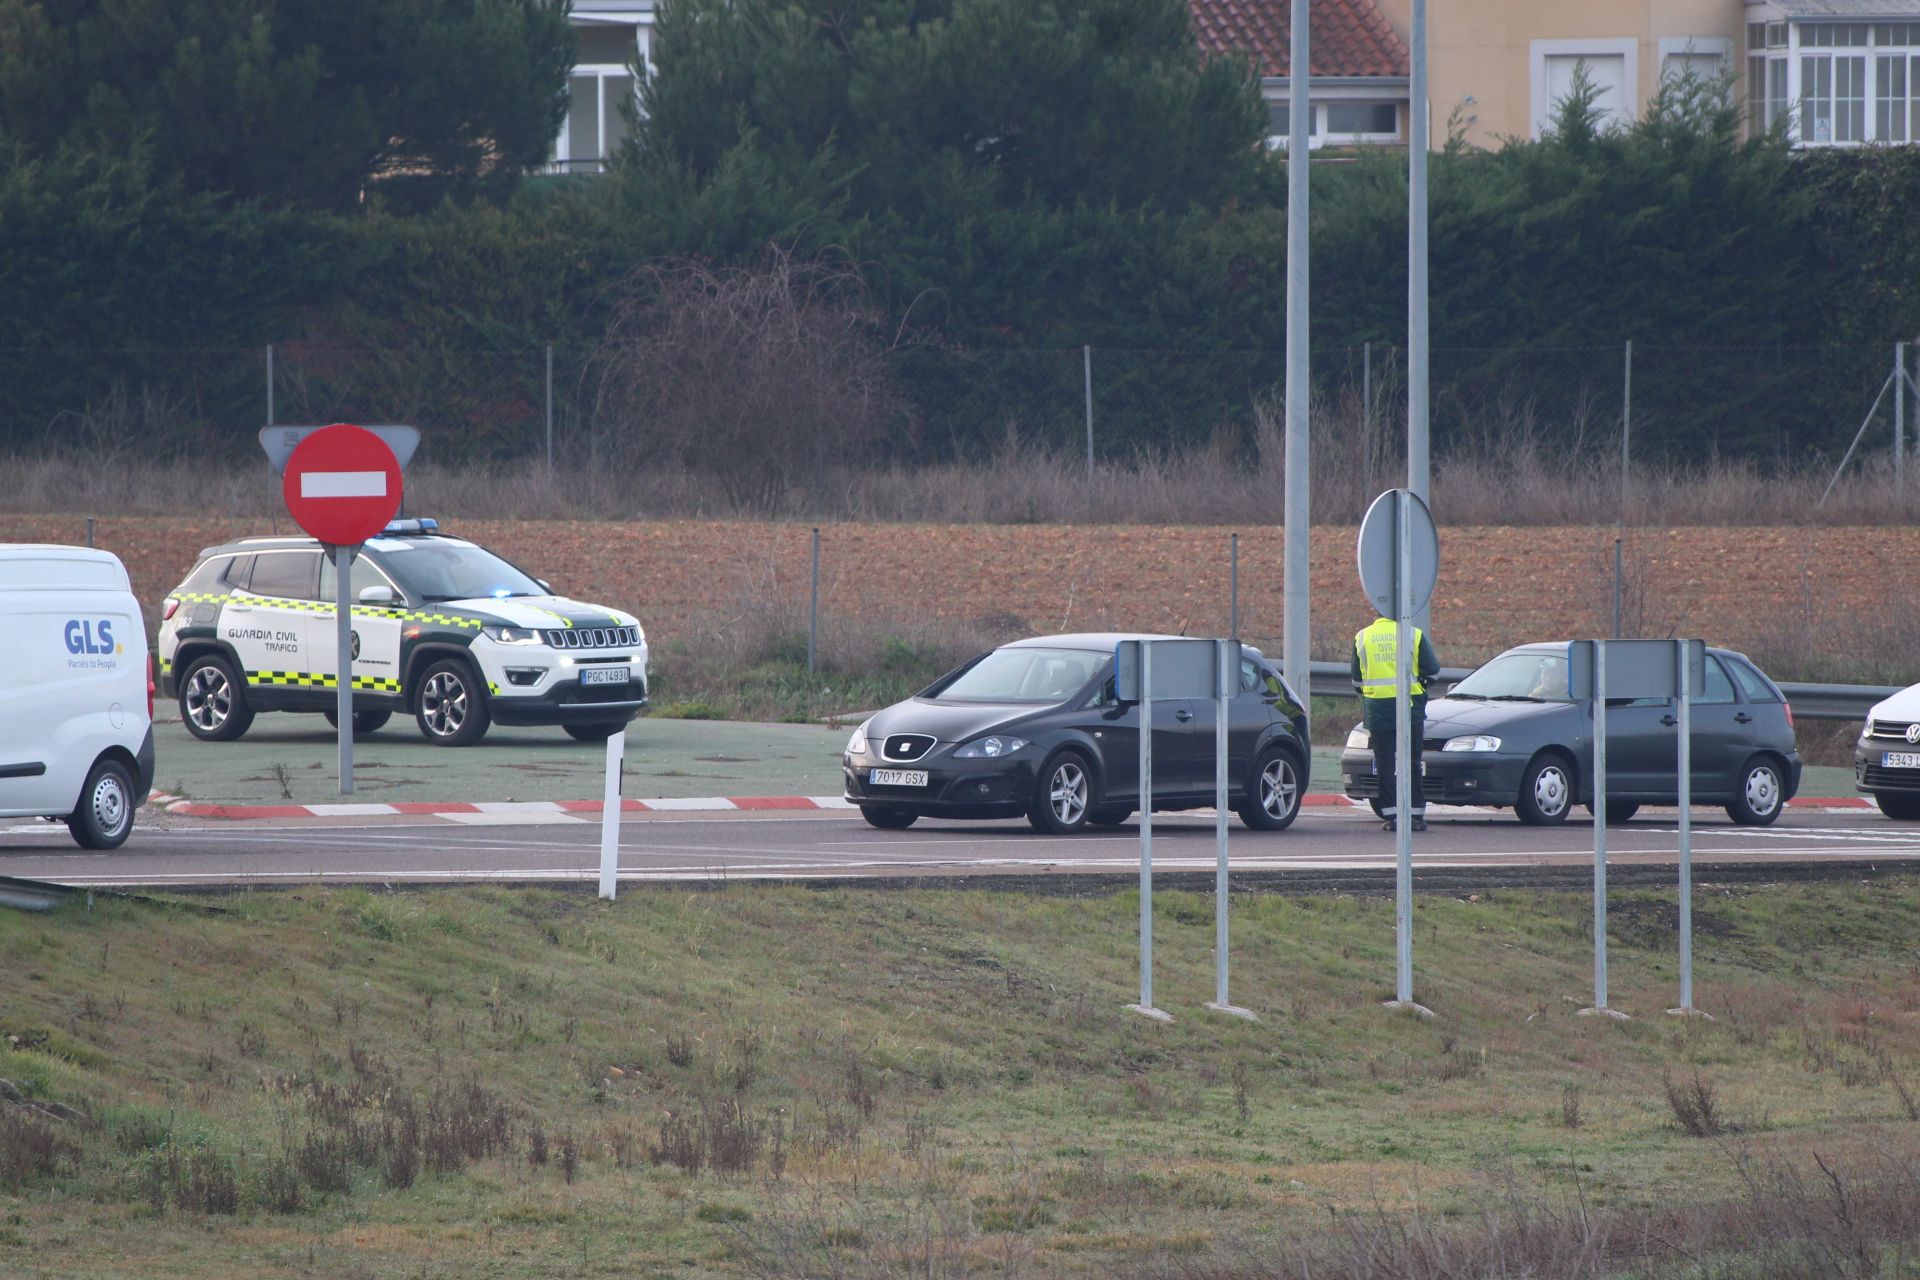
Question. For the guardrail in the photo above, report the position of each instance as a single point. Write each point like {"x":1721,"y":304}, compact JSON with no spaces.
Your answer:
{"x":1809,"y":701}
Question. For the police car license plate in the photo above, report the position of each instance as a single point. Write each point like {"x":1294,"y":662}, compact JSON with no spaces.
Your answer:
{"x":604,"y":675}
{"x":1900,"y":759}
{"x":897,"y":778}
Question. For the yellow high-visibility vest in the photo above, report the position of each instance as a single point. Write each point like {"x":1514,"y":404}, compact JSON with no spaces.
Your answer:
{"x":1378,"y":647}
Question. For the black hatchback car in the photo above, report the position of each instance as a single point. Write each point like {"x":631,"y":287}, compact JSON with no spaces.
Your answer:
{"x":1509,"y":736}
{"x":1034,"y":728}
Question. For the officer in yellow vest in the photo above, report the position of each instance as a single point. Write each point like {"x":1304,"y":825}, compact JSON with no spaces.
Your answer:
{"x":1375,"y":655}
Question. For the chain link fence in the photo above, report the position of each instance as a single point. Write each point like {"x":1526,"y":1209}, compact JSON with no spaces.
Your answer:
{"x":1662,"y":404}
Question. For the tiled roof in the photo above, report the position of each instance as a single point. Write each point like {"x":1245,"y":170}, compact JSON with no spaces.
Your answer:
{"x":1350,"y":37}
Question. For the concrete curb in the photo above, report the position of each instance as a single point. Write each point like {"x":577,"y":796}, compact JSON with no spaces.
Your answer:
{"x":674,"y":804}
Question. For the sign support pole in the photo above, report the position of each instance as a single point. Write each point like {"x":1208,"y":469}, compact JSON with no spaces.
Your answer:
{"x":1403,"y":761}
{"x":1227,"y":680}
{"x":1681,"y":655}
{"x":1146,"y":838}
{"x":343,"y":661}
{"x":1599,"y":835}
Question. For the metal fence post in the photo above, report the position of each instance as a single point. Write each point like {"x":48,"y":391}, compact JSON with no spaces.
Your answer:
{"x":1899,"y":420}
{"x":1366,"y":385}
{"x":1233,"y":586}
{"x":269,"y":384}
{"x":1626,"y":427}
{"x":89,"y":531}
{"x":1618,"y":589}
{"x":549,"y":411}
{"x":1086,"y":369}
{"x":813,"y":607}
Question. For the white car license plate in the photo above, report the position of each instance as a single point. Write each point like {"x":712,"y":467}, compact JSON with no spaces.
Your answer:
{"x":897,"y":778}
{"x":604,"y":675}
{"x":1900,"y":759}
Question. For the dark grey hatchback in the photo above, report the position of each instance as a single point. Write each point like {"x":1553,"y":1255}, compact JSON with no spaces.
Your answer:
{"x":1509,"y":736}
{"x":1034,"y":728}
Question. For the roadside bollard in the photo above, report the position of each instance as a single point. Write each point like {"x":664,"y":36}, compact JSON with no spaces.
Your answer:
{"x":610,"y":816}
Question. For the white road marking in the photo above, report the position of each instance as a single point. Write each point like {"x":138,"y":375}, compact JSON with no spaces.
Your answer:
{"x":555,"y":819}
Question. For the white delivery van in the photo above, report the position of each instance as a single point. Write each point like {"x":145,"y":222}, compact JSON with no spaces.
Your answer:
{"x":76,"y":692}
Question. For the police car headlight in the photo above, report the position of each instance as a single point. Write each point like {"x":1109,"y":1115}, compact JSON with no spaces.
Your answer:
{"x":1472,"y":742}
{"x":990,"y":748}
{"x":857,"y":744}
{"x":513,"y":635}
{"x":1358,"y":739}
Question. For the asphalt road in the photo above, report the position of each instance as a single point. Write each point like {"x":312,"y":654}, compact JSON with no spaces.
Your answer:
{"x":1324,"y":846}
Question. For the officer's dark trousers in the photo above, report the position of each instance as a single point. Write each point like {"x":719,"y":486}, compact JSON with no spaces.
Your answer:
{"x":1379,"y":718}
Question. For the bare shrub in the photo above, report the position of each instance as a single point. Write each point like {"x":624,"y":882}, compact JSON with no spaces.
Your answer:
{"x":679,"y":1048}
{"x":1695,"y":1105}
{"x":756,"y":377}
{"x":30,"y":1150}
{"x":1570,"y":1117}
{"x":537,"y":1146}
{"x":721,"y":1134}
{"x":569,"y":1156}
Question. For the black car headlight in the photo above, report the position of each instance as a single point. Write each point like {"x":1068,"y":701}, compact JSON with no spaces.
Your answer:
{"x":513,"y":635}
{"x":857,"y":744}
{"x":990,"y":748}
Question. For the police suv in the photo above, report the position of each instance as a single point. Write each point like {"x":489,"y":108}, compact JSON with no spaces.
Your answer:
{"x":442,"y":628}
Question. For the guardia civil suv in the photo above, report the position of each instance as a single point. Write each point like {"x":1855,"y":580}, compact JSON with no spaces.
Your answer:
{"x":443,"y":630}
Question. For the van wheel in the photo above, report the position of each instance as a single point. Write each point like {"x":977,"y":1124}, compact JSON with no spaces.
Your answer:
{"x":104,"y":817}
{"x":363,"y":721}
{"x":213,"y":702}
{"x":451,"y":705}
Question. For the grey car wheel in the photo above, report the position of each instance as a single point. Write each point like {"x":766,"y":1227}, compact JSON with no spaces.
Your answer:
{"x":1061,"y":795}
{"x":213,"y":706}
{"x":450,"y":706}
{"x":1761,"y":796}
{"x":1546,"y":792}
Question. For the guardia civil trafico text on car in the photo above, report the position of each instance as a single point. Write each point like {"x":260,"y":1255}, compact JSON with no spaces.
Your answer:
{"x":443,"y":630}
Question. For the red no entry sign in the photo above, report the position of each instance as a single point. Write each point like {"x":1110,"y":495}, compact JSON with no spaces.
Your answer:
{"x":342,"y":484}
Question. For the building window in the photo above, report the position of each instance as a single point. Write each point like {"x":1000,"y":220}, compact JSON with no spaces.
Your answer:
{"x":1610,"y":64}
{"x":1833,"y":95}
{"x":1339,"y":123}
{"x":600,"y":86}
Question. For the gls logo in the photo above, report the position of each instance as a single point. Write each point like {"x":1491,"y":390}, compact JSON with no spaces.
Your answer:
{"x":90,"y":637}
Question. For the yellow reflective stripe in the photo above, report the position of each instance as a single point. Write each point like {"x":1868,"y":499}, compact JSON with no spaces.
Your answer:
{"x":332,"y":610}
{"x":313,"y":680}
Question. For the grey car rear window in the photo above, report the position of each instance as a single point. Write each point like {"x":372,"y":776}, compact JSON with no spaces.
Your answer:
{"x":1752,"y":683}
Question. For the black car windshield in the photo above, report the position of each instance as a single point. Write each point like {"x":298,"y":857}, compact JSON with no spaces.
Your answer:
{"x":436,"y":571}
{"x":1531,"y":675}
{"x":1016,"y":674}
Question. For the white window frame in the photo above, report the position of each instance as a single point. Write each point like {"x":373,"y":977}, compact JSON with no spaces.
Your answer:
{"x":1386,"y":92}
{"x":564,"y":161}
{"x":1626,"y":48}
{"x":1718,"y":47}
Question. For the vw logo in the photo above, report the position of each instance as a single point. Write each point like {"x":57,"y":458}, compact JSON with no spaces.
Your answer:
{"x":1913,"y":733}
{"x":353,"y":643}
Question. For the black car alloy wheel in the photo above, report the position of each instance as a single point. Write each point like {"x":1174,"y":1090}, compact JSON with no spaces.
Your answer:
{"x":1273,"y":801}
{"x":1062,"y":794}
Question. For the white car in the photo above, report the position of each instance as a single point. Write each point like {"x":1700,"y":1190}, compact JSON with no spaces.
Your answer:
{"x":442,"y":629}
{"x":1886,"y":760}
{"x":76,"y":692}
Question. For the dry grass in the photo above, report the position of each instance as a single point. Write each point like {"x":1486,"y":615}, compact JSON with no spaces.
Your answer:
{"x":1510,"y":475}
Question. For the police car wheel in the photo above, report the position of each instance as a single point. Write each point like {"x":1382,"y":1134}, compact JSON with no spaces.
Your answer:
{"x":104,"y":817}
{"x":213,"y":702}
{"x":363,"y":721}
{"x":598,"y":731}
{"x":450,"y":705}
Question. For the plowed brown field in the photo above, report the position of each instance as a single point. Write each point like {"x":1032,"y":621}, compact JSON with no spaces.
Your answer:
{"x":1778,"y":592}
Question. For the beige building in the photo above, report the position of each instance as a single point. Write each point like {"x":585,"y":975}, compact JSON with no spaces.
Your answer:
{"x":1497,"y":67}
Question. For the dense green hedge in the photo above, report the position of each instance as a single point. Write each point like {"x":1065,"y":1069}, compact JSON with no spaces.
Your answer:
{"x":1761,"y":289}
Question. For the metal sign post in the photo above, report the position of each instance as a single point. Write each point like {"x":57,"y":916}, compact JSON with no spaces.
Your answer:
{"x":1399,"y":558}
{"x":1227,"y":669}
{"x":1144,"y":670}
{"x":1146,"y":838}
{"x":1629,"y":669}
{"x":1685,"y":760}
{"x":1599,"y":833}
{"x":343,"y":660}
